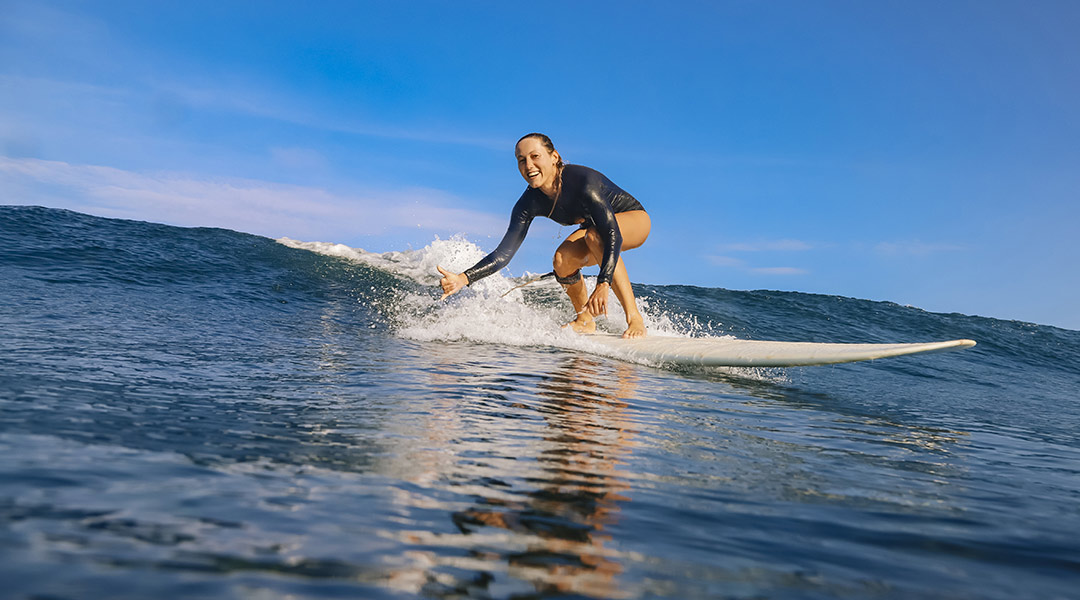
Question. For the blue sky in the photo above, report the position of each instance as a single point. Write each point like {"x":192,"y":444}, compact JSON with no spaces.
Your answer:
{"x":921,"y":152}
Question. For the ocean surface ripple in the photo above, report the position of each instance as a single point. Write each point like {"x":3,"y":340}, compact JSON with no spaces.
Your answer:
{"x":191,"y":412}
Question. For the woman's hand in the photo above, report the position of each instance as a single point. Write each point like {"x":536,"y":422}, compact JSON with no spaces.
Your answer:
{"x":597,"y":304}
{"x":451,"y":282}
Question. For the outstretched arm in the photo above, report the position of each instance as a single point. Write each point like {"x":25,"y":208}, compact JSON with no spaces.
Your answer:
{"x":520,"y":219}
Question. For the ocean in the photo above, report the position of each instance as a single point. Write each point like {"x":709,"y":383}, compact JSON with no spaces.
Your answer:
{"x":203,"y":413}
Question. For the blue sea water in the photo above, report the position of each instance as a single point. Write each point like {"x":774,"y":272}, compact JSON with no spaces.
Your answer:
{"x":202,"y":413}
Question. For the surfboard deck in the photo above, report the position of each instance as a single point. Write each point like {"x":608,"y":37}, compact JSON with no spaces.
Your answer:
{"x":721,"y":352}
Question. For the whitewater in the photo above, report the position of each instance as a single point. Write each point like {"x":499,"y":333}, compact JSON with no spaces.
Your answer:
{"x":198,"y":412}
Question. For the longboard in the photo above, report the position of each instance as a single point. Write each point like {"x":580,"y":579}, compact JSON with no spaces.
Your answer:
{"x":718,"y":352}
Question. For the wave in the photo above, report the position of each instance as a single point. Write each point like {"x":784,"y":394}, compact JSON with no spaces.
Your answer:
{"x":398,"y":292}
{"x":147,"y":291}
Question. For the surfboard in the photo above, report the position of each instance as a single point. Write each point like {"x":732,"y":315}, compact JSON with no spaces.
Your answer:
{"x":730,"y":352}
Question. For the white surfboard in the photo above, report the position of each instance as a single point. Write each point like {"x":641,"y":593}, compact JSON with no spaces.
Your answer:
{"x":719,"y":352}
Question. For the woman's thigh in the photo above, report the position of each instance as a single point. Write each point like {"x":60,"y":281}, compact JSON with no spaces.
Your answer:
{"x":574,"y":249}
{"x":634,"y":226}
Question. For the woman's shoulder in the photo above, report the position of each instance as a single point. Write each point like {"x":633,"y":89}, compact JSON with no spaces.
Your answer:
{"x":529,"y":201}
{"x":581,"y":177}
{"x":580,"y":171}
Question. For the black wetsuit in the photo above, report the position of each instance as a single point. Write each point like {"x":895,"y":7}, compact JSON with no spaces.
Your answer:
{"x":586,"y":197}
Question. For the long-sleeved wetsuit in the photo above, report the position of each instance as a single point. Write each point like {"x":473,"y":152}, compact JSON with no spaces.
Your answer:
{"x":587,"y":198}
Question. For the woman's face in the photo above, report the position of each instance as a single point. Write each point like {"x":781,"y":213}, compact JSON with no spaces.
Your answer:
{"x":537,"y":165}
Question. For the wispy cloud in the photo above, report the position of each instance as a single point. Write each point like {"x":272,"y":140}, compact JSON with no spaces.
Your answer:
{"x":142,"y":82}
{"x":242,"y":204}
{"x":37,"y":28}
{"x":740,"y":264}
{"x":35,"y":102}
{"x":250,"y":101}
{"x":759,"y":247}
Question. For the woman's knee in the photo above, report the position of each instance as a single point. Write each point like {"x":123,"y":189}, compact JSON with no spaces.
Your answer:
{"x":570,"y":257}
{"x":562,"y":263}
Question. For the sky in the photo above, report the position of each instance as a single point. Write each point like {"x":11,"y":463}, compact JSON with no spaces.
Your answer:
{"x":915,"y":151}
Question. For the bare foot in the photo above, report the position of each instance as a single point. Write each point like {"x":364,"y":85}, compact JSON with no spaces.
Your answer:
{"x":580,"y":325}
{"x":635,"y":329}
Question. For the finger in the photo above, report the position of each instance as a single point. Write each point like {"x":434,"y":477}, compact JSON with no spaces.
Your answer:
{"x":442,"y":270}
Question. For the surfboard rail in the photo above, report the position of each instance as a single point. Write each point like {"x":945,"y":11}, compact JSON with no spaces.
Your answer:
{"x":730,"y":352}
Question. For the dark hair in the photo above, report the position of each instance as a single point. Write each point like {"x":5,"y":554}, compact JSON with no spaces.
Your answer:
{"x":545,"y":141}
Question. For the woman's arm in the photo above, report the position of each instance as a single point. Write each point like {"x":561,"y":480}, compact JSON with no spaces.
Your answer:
{"x":607,"y":227}
{"x":520,"y":219}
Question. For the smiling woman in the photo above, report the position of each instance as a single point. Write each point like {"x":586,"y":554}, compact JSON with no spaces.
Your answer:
{"x":610,"y":220}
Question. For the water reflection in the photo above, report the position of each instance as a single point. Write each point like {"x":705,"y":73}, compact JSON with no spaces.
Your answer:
{"x":563,"y":519}
{"x":527,"y":463}
{"x":524,"y":472}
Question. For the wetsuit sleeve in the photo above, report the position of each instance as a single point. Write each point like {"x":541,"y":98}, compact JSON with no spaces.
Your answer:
{"x":520,"y":219}
{"x":603,"y":218}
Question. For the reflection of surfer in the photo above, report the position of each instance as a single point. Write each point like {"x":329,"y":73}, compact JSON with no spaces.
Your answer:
{"x":611,"y":221}
{"x":565,"y":523}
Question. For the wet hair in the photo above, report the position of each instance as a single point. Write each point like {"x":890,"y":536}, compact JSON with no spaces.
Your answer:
{"x":545,"y":141}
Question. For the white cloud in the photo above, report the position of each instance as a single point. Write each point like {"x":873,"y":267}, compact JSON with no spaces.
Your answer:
{"x":737,"y":263}
{"x":36,"y":102}
{"x":38,"y":27}
{"x":782,"y":245}
{"x":142,"y":82}
{"x":255,"y":100}
{"x":253,"y":206}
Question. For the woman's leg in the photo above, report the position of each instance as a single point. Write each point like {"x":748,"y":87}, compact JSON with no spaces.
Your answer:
{"x":620,"y":284}
{"x":584,"y":248}
{"x":571,"y":255}
{"x":634,"y":227}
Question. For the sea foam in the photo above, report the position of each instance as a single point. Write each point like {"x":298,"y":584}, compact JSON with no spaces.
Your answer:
{"x":492,"y":310}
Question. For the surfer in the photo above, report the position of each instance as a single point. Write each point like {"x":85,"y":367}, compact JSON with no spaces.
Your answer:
{"x":610,"y":220}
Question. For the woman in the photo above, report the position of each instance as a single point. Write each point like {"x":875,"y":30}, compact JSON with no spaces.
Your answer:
{"x":611,"y":221}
